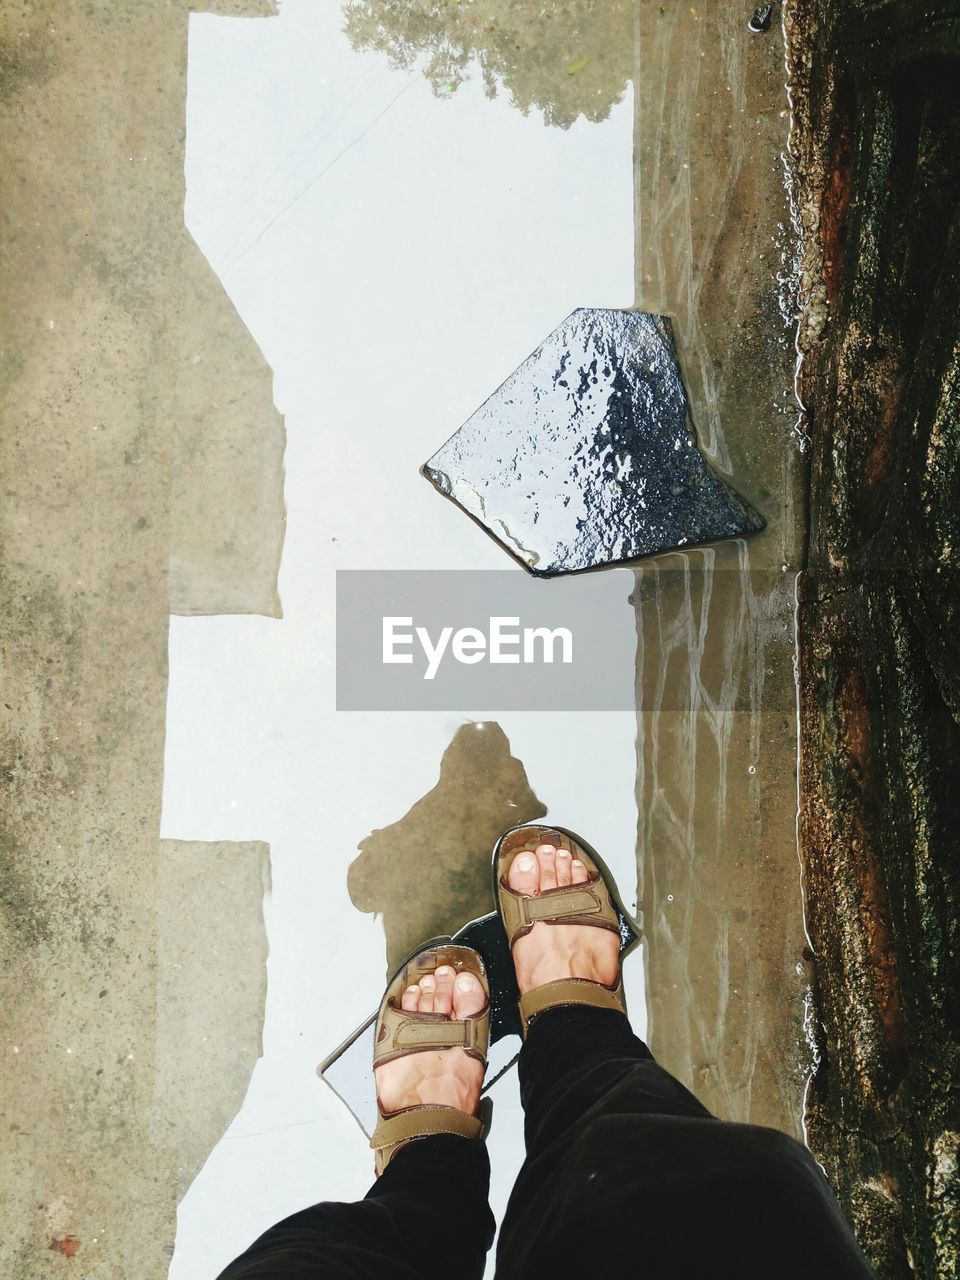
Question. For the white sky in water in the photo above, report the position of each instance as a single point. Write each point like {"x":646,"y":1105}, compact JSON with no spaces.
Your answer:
{"x":395,"y":255}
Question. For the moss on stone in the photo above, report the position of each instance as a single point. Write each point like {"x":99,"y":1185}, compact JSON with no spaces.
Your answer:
{"x":877,"y":159}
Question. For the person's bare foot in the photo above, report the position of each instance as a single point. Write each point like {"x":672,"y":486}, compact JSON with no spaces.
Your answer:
{"x":449,"y":1077}
{"x":553,"y":951}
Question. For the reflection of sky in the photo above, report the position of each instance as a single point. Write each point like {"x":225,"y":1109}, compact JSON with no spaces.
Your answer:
{"x":395,"y":256}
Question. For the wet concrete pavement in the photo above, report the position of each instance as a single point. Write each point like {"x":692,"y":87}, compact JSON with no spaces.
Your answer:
{"x":391,"y":245}
{"x":717,"y":739}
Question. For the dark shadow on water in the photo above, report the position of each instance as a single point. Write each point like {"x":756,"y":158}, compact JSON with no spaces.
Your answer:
{"x":429,"y":873}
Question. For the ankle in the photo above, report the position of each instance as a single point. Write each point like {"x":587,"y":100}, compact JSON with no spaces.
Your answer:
{"x":555,"y":952}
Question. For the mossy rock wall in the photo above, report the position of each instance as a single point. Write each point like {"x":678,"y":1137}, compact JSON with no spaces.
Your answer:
{"x":876,"y":142}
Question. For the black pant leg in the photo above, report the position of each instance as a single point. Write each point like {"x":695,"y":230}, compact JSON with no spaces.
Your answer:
{"x":425,"y":1218}
{"x":625,"y":1169}
{"x":570,"y":1061}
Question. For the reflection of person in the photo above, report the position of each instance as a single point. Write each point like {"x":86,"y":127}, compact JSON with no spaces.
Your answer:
{"x":482,"y":788}
{"x":624,"y":1168}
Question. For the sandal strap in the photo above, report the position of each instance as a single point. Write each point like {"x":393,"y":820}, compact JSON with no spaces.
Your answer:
{"x":401,"y":1033}
{"x":587,"y":903}
{"x":570,"y":991}
{"x":394,"y":1131}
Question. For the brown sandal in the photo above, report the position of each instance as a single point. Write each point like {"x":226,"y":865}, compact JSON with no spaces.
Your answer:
{"x":595,"y":902}
{"x":399,"y":1033}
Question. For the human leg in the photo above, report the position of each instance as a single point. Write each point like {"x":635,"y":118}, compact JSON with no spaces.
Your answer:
{"x":626,"y":1169}
{"x":425,"y":1218}
{"x":427,"y":1215}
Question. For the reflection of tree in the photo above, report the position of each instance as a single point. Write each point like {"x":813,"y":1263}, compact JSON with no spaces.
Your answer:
{"x":568,"y":58}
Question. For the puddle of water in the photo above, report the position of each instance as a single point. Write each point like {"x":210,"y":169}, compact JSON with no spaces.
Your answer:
{"x":395,"y":255}
{"x":396,"y":246}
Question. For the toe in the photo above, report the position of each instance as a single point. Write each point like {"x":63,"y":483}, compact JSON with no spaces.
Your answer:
{"x":468,"y":995}
{"x":428,"y":986}
{"x":578,"y":872}
{"x":547,"y":856}
{"x":443,"y":996}
{"x":410,"y":1000}
{"x":564,"y":869}
{"x":523,"y":874}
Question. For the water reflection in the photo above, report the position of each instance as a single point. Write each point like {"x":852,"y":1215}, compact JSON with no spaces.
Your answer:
{"x":392,"y":279}
{"x":716,"y":757}
{"x":567,"y":61}
{"x":716,"y":793}
{"x":391,"y":253}
{"x":442,"y":844}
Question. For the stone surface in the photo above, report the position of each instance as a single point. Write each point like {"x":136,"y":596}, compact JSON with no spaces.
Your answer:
{"x":719,"y":882}
{"x":877,"y":144}
{"x":211,"y":992}
{"x":92,"y":293}
{"x":586,"y":455}
{"x":227,"y":515}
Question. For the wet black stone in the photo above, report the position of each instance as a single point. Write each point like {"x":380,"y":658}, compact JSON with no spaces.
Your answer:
{"x":586,"y":455}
